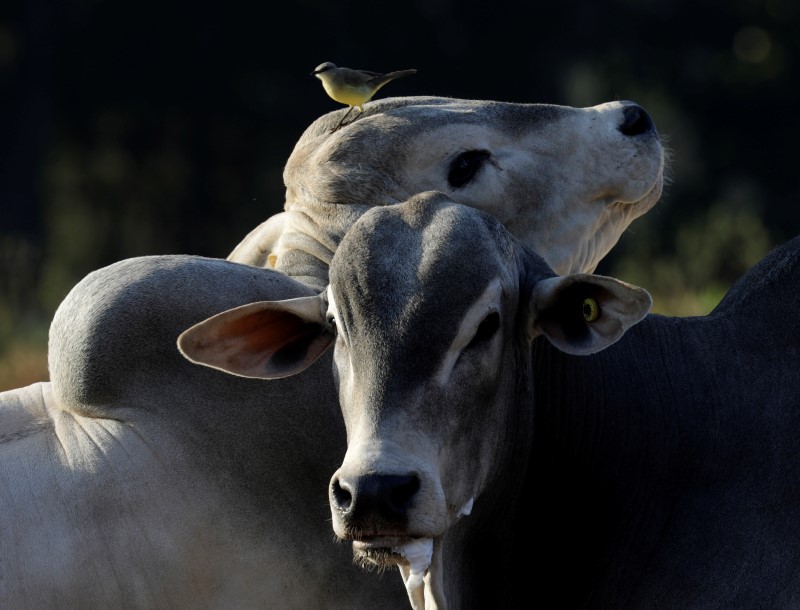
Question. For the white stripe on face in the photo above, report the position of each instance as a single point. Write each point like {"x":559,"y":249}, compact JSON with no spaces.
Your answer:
{"x":487,"y":302}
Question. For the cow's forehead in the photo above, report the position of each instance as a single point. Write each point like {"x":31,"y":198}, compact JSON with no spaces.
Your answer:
{"x":427,"y":257}
{"x":396,"y":119}
{"x":433,"y":112}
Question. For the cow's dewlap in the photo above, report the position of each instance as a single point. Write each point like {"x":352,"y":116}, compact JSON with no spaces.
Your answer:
{"x":418,"y":553}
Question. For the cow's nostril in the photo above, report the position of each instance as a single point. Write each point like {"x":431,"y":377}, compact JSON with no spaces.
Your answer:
{"x":389,"y":495}
{"x":401,"y":494}
{"x":374,"y":495}
{"x":342,"y":498}
{"x":635,"y":121}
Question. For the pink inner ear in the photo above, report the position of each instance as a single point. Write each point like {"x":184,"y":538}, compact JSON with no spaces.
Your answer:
{"x":267,"y":343}
{"x":266,"y":340}
{"x":267,"y":331}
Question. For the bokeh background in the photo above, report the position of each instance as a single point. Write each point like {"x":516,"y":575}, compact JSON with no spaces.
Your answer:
{"x":131,"y":128}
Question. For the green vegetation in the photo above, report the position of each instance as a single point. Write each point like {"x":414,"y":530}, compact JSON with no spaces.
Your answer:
{"x":707,"y":254}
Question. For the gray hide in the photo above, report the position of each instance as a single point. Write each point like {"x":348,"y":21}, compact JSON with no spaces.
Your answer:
{"x":566,"y":181}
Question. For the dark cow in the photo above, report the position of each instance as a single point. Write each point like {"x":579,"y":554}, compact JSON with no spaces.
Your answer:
{"x":432,"y":363}
{"x":666,"y":469}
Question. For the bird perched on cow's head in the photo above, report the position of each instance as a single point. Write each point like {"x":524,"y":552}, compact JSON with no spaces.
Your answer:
{"x":353,"y":87}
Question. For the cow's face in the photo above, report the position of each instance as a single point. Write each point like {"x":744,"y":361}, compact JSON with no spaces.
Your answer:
{"x":432,"y":365}
{"x":565,"y":181}
{"x":431,"y":360}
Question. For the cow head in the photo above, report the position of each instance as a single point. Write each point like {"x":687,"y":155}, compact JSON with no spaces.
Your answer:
{"x":565,"y":181}
{"x":431,"y":308}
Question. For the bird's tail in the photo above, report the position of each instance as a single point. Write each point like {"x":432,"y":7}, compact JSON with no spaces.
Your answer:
{"x":393,"y":75}
{"x":390,"y":76}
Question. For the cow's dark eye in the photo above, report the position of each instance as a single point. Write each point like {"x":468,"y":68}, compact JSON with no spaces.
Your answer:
{"x":465,"y":166}
{"x":486,"y":329}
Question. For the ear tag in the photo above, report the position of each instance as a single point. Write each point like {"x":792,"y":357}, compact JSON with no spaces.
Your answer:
{"x":591,"y":310}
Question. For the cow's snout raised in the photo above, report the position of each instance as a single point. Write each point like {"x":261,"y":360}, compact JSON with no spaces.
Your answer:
{"x":636,"y":121}
{"x":366,"y":500}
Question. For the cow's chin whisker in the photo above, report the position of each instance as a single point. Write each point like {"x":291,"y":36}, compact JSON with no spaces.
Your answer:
{"x":376,"y":559}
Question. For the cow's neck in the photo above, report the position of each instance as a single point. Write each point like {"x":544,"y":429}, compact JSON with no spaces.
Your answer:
{"x":310,"y":237}
{"x":640,"y":449}
{"x":613,"y":441}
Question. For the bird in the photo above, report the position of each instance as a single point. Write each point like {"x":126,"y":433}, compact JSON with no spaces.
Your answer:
{"x":351,"y":87}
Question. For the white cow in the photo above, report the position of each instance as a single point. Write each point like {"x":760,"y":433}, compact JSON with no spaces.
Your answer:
{"x":566,"y":181}
{"x":433,"y":369}
{"x":136,"y":479}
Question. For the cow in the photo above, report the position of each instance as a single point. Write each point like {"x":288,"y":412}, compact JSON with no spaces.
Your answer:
{"x":433,"y":370}
{"x":566,"y":181}
{"x":660,"y":472}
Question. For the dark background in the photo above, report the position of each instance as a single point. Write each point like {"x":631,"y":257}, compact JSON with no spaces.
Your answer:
{"x":131,"y":128}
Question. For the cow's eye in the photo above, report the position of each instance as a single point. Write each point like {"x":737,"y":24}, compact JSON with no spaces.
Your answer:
{"x":486,"y":329}
{"x":464,"y":167}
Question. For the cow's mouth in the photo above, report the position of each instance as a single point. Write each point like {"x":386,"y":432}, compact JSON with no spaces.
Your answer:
{"x":378,"y":552}
{"x":385,"y":551}
{"x":414,"y":554}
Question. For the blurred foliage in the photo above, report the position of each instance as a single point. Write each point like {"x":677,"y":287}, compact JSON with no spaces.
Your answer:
{"x":134,"y":128}
{"x":691,"y":273}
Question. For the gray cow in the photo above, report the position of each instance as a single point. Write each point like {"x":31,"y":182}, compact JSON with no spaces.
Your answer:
{"x":565,"y":181}
{"x":662,"y":472}
{"x":433,"y":369}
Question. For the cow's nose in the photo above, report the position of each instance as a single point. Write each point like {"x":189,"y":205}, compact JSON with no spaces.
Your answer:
{"x":386,"y":496}
{"x":635,"y":121}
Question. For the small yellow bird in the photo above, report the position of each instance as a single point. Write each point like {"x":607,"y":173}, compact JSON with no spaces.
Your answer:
{"x":353,"y":87}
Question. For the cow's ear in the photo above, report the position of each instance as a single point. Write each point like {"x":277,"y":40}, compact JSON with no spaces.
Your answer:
{"x":269,"y":339}
{"x":583,"y":313}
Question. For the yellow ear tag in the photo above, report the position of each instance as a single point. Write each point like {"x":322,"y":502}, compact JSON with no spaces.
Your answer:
{"x":272,"y":260}
{"x":591,"y":310}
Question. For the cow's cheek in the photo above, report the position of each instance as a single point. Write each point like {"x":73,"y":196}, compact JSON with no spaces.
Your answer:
{"x":468,"y":440}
